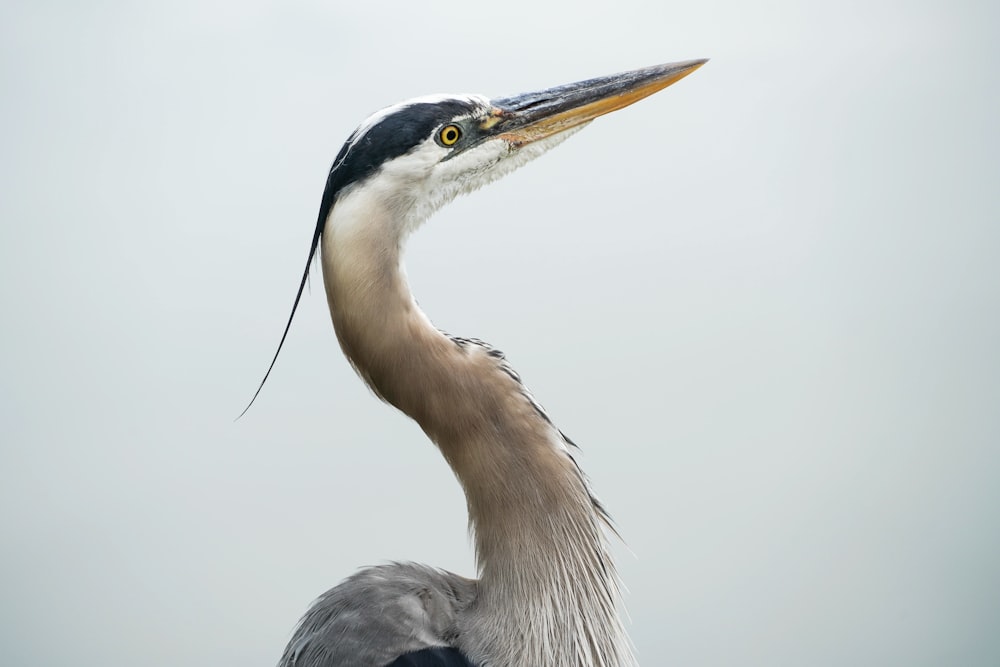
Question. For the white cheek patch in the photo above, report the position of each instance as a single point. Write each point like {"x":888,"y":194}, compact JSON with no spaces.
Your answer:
{"x":484,"y":164}
{"x":411,"y":187}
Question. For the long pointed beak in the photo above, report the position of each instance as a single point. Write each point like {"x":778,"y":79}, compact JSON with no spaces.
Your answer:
{"x":522,"y":119}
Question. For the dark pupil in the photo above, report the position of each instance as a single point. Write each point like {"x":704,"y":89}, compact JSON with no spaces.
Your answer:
{"x":449,"y":134}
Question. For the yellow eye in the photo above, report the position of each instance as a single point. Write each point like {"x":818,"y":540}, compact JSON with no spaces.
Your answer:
{"x":450,"y":134}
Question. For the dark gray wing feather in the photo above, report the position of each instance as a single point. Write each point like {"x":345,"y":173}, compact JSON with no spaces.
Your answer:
{"x":378,"y":615}
{"x":433,"y":657}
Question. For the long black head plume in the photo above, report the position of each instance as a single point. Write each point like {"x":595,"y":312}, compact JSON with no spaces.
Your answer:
{"x":329,"y":194}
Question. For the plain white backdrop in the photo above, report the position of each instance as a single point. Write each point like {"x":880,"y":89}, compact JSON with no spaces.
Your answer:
{"x":765,"y":302}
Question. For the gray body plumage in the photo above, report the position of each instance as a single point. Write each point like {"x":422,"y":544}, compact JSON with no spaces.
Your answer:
{"x":378,"y":614}
{"x":547,"y":593}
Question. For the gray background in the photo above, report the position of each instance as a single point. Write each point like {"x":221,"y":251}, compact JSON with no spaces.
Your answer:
{"x":764,"y":301}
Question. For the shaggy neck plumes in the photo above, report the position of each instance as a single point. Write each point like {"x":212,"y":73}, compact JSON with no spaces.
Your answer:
{"x":547,"y":592}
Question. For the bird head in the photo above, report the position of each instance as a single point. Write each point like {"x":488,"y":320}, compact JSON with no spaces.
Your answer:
{"x":416,"y":156}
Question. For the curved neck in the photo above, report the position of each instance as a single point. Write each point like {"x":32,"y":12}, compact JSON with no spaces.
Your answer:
{"x":548,"y":590}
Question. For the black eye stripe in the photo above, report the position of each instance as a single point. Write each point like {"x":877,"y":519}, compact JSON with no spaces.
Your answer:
{"x":392,"y":136}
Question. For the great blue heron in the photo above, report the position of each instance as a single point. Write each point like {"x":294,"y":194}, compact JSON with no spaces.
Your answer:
{"x":547,"y":593}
